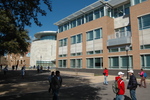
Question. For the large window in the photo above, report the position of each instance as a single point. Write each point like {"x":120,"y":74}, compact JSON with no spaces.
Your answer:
{"x":145,"y":61}
{"x":94,"y":62}
{"x":76,"y":63}
{"x":94,"y":34}
{"x":122,"y":10}
{"x":76,"y":39}
{"x":63,"y":42}
{"x":144,"y":22}
{"x":120,"y":62}
{"x":62,"y":63}
{"x":89,"y":17}
{"x":89,"y":35}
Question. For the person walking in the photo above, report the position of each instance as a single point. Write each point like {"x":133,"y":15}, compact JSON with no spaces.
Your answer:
{"x":50,"y":80}
{"x":5,"y":69}
{"x":121,"y":86}
{"x":23,"y":71}
{"x":56,"y":84}
{"x":105,"y":73}
{"x":132,"y":85}
{"x":143,"y":79}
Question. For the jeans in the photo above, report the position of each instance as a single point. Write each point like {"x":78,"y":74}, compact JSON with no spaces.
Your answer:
{"x":119,"y":97}
{"x":133,"y":94}
{"x":55,"y":94}
{"x":105,"y":80}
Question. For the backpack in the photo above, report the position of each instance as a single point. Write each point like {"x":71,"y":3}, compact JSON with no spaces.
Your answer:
{"x":145,"y":75}
{"x":115,"y":86}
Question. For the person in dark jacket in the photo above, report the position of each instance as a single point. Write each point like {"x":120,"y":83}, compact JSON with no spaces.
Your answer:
{"x":132,"y":85}
{"x":56,"y":84}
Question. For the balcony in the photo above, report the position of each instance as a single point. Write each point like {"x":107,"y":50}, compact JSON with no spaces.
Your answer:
{"x":119,"y":38}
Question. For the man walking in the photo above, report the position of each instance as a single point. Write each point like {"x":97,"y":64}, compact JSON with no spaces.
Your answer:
{"x":56,"y":84}
{"x":121,"y":86}
{"x":132,"y":85}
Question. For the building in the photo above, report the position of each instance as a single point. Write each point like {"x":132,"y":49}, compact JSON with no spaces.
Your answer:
{"x":16,"y":59}
{"x":43,"y":49}
{"x":108,"y":33}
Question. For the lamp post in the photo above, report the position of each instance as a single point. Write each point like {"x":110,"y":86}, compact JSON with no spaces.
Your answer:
{"x":127,"y":49}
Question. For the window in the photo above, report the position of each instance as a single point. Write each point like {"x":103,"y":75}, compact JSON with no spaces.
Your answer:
{"x":94,"y":62}
{"x":114,"y":62}
{"x":98,"y":62}
{"x":113,"y":50}
{"x":62,"y":63}
{"x":73,"y":23}
{"x":73,"y":54}
{"x":89,"y":17}
{"x":144,"y":22}
{"x":98,"y":51}
{"x":90,"y":63}
{"x":96,"y":14}
{"x":101,"y":12}
{"x":121,"y":10}
{"x":89,"y":35}
{"x":126,"y":61}
{"x":63,"y":42}
{"x":78,"y":21}
{"x":145,"y":46}
{"x":145,"y":61}
{"x":90,"y":52}
{"x":78,"y":63}
{"x":79,"y":38}
{"x":138,"y":1}
{"x":60,"y":28}
{"x":126,"y":9}
{"x":72,"y":63}
{"x":79,"y":53}
{"x":73,"y":39}
{"x":76,"y":39}
{"x":98,"y":34}
{"x":66,"y":27}
{"x":60,"y":43}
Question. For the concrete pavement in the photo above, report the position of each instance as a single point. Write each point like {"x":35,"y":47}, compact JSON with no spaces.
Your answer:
{"x":76,"y":86}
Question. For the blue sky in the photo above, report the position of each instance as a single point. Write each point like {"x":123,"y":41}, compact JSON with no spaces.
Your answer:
{"x":60,"y":10}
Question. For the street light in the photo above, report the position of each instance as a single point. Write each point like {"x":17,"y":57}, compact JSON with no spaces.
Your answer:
{"x":127,"y":49}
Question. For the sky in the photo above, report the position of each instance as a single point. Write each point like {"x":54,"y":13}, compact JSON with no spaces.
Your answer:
{"x":60,"y":10}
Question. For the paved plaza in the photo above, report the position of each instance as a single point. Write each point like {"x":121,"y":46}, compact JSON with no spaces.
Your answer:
{"x":76,"y":86}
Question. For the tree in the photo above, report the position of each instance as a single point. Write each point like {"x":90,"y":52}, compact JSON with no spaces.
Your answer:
{"x":14,"y":16}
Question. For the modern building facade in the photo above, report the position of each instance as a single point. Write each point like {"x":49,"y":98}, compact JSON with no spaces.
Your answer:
{"x":108,"y":33}
{"x":43,"y":49}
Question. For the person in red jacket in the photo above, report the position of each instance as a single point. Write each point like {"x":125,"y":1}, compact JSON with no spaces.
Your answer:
{"x":105,"y":73}
{"x":121,"y":86}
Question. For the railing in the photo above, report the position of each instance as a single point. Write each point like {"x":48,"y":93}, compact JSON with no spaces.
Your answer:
{"x":120,"y":35}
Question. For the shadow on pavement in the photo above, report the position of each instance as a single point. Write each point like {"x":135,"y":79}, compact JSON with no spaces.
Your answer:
{"x":75,"y":93}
